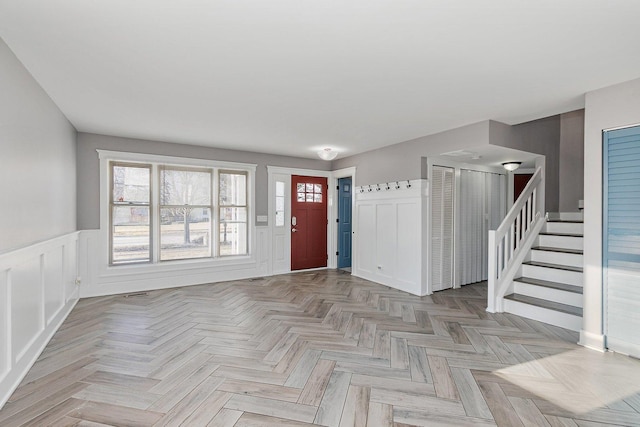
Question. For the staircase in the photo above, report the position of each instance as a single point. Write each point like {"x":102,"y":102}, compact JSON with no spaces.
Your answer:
{"x":535,"y":262}
{"x":548,"y":285}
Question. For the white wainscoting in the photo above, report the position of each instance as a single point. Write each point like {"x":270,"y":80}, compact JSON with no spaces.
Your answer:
{"x":390,"y":243}
{"x":37,"y":291}
{"x":98,"y":279}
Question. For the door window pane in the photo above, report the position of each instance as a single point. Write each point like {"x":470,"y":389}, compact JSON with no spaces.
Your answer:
{"x":280,"y":187}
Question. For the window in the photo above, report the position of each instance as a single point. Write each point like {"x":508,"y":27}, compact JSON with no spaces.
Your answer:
{"x":185,"y":213}
{"x":164,"y":212}
{"x":280,"y":203}
{"x":233,"y":213}
{"x":130,"y":198}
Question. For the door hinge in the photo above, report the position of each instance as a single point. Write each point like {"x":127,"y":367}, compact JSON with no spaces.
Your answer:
{"x":337,"y":187}
{"x":337,"y":219}
{"x":337,"y":253}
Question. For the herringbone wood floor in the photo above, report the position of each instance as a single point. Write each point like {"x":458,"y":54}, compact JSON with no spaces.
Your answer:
{"x":317,"y":348}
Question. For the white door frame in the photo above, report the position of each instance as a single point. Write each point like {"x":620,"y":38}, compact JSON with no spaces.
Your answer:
{"x":332,"y":241}
{"x":457,"y":166}
{"x":331,"y":212}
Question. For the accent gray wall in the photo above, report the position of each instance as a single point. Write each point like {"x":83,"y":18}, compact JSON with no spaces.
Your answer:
{"x":405,"y":160}
{"x":38,"y":160}
{"x":540,"y":137}
{"x":89,"y":168}
{"x":571,"y":168}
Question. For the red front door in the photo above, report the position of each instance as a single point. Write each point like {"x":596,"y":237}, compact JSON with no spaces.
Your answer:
{"x":308,"y":222}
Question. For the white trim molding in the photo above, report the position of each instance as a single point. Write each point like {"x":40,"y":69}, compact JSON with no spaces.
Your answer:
{"x":38,"y":288}
{"x":592,"y":341}
{"x":99,"y":281}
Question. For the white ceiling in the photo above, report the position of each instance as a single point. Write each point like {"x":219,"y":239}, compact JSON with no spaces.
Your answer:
{"x":293,"y":76}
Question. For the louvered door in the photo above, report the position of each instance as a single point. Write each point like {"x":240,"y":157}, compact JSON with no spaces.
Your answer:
{"x":442,"y":186}
{"x":621,"y":252}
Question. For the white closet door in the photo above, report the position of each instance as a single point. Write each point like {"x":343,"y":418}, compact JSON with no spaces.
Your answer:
{"x":481,"y":209}
{"x":442,"y":184}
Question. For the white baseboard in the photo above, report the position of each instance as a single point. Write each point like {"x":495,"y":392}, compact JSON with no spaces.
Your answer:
{"x":592,"y":341}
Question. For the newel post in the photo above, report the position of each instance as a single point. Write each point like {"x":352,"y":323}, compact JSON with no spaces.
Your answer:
{"x":492,"y":272}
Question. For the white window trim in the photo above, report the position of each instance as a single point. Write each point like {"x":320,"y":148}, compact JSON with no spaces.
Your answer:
{"x":106,"y":270}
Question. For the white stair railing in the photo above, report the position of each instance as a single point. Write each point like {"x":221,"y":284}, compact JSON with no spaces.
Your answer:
{"x":509,"y":244}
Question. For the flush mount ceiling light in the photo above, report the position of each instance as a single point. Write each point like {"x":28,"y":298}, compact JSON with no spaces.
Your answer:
{"x":511,"y":166}
{"x":327,"y":154}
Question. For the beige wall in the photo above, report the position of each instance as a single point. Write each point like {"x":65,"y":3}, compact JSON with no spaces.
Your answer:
{"x":37,"y":161}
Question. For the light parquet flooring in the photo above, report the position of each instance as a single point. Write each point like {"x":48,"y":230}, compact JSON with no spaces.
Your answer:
{"x":317,"y":348}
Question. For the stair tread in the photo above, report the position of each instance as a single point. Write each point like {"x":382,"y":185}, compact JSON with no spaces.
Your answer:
{"x":549,"y":284}
{"x":555,"y":266}
{"x":563,"y":250}
{"x":548,"y":233}
{"x":550,"y":305}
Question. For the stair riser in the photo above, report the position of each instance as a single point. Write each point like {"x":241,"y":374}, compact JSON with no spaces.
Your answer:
{"x":566,"y":216}
{"x":552,"y":275}
{"x":549,"y":294}
{"x":563,"y":242}
{"x":563,"y":320}
{"x":565,"y":227}
{"x":571,"y":260}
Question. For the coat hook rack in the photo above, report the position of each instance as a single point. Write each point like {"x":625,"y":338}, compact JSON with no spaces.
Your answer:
{"x":378,"y":187}
{"x":387,"y":186}
{"x":397,"y":185}
{"x":408,"y":184}
{"x":369,"y":189}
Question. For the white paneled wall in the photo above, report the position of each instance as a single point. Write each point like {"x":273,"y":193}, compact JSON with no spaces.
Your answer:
{"x":38,"y":290}
{"x":390,"y":235}
{"x":100,"y":279}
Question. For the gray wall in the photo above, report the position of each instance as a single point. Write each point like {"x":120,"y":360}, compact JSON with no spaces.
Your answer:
{"x":89,"y":168}
{"x":404,"y":160}
{"x":37,"y":161}
{"x":571,"y":168}
{"x":540,"y":137}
